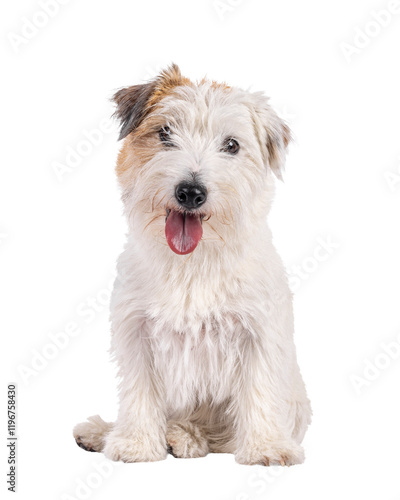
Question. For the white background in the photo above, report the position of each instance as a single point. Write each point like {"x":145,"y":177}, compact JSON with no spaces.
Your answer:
{"x":59,"y":239}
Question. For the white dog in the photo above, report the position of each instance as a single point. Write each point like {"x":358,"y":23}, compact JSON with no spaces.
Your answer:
{"x":204,"y":342}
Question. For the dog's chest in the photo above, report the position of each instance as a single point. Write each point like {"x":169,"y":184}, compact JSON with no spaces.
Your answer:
{"x":198,"y":365}
{"x":195,"y":300}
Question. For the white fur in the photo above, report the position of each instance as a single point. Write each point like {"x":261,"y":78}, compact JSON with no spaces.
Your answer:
{"x":204,"y":342}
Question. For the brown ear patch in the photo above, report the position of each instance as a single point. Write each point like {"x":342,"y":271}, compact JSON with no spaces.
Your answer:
{"x":278,"y":139}
{"x":286,"y":134}
{"x":135,"y":103}
{"x":132,"y":103}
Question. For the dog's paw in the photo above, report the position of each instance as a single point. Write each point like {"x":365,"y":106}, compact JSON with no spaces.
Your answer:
{"x":271,"y":453}
{"x":134,"y":448}
{"x":185,"y":440}
{"x":91,"y":435}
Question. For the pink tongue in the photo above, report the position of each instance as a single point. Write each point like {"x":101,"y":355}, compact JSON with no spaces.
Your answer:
{"x":183,"y":232}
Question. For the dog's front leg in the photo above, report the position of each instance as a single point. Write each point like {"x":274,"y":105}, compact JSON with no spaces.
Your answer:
{"x":139,"y":433}
{"x":265,"y":410}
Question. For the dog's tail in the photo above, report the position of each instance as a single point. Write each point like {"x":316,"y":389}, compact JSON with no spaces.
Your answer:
{"x":91,"y":435}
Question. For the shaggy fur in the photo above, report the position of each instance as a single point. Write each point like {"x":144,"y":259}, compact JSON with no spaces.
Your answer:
{"x":204,"y":342}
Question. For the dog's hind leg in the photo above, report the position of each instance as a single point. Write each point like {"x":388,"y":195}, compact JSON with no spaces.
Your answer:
{"x":91,"y":435}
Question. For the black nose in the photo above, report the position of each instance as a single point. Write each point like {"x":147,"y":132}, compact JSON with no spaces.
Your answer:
{"x":190,"y":195}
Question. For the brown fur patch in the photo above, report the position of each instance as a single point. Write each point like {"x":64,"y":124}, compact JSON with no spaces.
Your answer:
{"x":166,"y":82}
{"x":135,"y":103}
{"x":134,"y":108}
{"x":135,"y":152}
{"x":215,"y":85}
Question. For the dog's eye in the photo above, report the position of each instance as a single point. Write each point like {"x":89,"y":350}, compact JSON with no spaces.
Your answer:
{"x":165,"y":136}
{"x":231,"y":146}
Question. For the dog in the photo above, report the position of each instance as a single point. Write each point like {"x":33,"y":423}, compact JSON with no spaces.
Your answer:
{"x":201,"y":312}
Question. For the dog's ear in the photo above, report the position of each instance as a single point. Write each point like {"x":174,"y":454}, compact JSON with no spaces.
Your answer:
{"x":272,"y":132}
{"x":278,"y":139}
{"x":132,"y":106}
{"x":135,"y":103}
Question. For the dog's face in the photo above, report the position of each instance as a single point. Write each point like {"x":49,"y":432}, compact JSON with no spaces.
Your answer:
{"x":197,"y":160}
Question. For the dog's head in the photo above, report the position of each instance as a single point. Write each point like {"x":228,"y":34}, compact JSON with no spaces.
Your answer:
{"x":197,"y":159}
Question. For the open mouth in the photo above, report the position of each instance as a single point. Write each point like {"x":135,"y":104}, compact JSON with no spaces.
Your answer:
{"x":183,"y":231}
